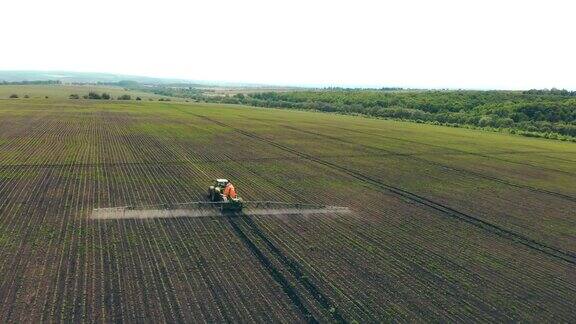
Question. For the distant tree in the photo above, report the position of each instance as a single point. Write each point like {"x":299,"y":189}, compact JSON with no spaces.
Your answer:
{"x":125,"y":97}
{"x":94,"y":95}
{"x":485,"y":121}
{"x":85,"y":97}
{"x":138,"y":98}
{"x":46,"y":97}
{"x":506,"y":122}
{"x":13,"y":96}
{"x":74,"y":96}
{"x":106,"y":96}
{"x":26,"y":96}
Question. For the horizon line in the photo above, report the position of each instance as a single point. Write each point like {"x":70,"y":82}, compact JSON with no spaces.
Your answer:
{"x":224,"y":83}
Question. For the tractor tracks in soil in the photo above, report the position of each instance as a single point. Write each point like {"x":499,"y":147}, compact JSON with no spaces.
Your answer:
{"x":441,"y":165}
{"x":34,"y":167}
{"x":289,"y":264}
{"x":483,"y":155}
{"x":497,"y":230}
{"x":280,"y":279}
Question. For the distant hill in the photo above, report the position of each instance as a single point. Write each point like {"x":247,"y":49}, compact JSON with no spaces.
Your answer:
{"x":89,"y":77}
{"x":78,"y":77}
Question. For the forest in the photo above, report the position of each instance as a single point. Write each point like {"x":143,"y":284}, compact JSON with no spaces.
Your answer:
{"x":536,"y":113}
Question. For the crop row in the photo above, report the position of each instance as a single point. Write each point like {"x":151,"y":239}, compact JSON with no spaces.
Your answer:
{"x":537,"y":273}
{"x":85,"y":270}
{"x":391,"y":259}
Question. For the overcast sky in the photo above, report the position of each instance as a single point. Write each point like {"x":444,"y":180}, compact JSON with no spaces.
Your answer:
{"x":408,"y":43}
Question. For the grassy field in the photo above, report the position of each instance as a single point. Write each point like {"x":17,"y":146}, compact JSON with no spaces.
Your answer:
{"x":447,"y":224}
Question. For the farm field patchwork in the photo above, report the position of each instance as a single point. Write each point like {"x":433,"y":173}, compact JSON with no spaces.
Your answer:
{"x":59,"y":92}
{"x":446,"y":224}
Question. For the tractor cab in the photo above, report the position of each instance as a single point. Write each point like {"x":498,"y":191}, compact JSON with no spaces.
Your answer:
{"x":217,"y":189}
{"x":221,"y":183}
{"x":216,"y":194}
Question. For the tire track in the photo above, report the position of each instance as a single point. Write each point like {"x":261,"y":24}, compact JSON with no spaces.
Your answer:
{"x":168,"y":163}
{"x":32,"y":166}
{"x":538,"y":167}
{"x":296,"y":270}
{"x":273,"y":271}
{"x":464,"y":171}
{"x":551,"y":251}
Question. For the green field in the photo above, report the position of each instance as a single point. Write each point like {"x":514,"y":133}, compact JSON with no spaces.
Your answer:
{"x":446,"y":224}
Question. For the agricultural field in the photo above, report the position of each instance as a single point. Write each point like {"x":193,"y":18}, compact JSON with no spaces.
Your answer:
{"x":59,"y":92}
{"x":445,"y":224}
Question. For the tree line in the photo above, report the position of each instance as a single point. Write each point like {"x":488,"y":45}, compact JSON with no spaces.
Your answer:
{"x":101,"y":96}
{"x":538,"y":113}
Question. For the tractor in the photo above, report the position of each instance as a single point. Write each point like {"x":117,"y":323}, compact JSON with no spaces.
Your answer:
{"x":228,"y":201}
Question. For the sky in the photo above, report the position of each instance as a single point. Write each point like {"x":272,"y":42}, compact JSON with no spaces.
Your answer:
{"x":471,"y":44}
